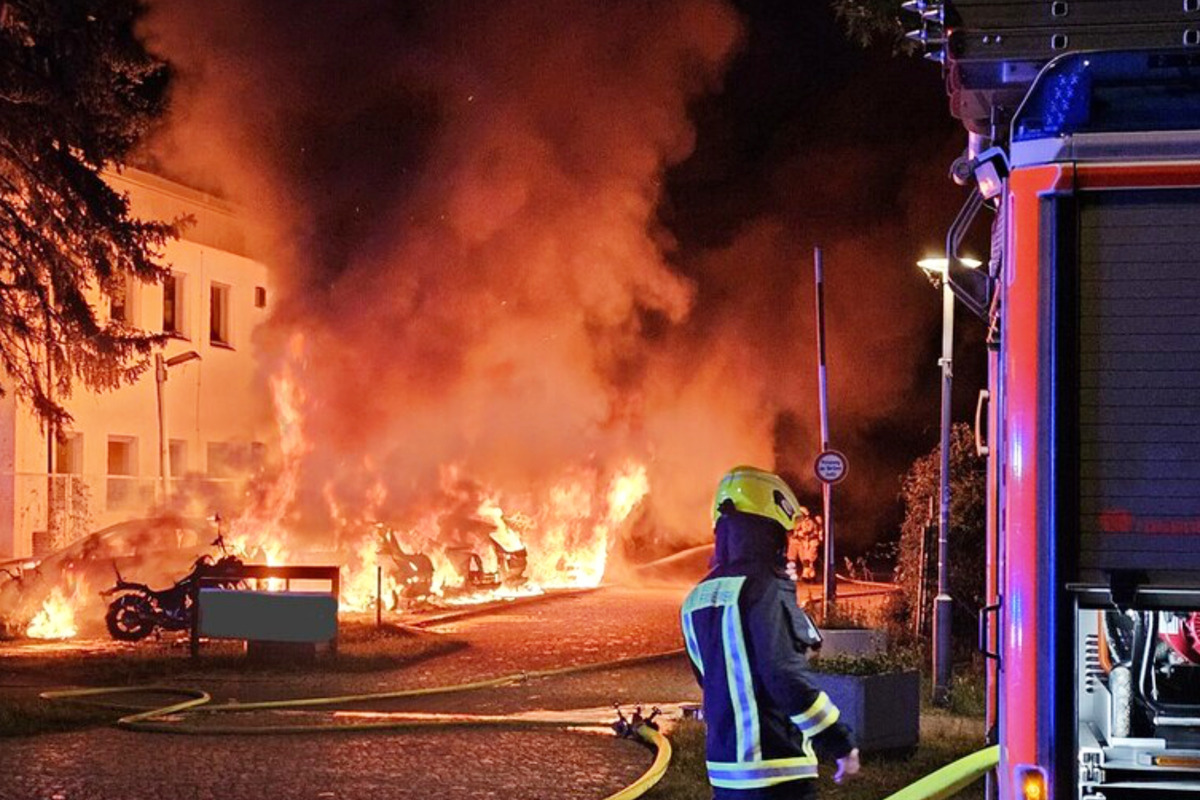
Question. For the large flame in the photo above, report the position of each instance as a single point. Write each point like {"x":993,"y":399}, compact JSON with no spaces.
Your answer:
{"x":564,"y":531}
{"x":259,"y":531}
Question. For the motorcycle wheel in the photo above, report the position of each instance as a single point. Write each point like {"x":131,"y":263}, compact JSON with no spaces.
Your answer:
{"x":130,"y":618}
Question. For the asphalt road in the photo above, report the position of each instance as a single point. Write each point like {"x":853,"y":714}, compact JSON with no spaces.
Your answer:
{"x":106,"y":764}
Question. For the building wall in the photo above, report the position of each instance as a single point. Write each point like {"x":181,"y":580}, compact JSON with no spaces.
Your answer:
{"x":217,"y":406}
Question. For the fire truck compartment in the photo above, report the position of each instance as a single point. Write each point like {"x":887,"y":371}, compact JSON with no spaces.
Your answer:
{"x":1130,"y":329}
{"x":1137,"y":690}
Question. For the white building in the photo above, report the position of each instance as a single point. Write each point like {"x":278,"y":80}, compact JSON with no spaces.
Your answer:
{"x":106,"y":468}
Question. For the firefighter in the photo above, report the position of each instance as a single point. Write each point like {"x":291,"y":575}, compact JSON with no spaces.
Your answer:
{"x":747,"y":638}
{"x":804,"y":547}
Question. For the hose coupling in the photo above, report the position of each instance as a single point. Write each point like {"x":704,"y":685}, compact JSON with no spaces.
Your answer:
{"x":627,"y":727}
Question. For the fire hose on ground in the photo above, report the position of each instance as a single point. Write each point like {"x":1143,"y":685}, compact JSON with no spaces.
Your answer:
{"x":939,"y":785}
{"x":952,"y":778}
{"x":154,"y":720}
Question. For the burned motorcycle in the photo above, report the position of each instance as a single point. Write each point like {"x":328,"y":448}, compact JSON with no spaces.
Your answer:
{"x":137,"y":611}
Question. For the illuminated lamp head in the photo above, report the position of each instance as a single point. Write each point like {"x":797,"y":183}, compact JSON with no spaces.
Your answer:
{"x":990,"y":168}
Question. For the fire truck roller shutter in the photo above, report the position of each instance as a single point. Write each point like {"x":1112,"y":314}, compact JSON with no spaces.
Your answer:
{"x":1136,"y":355}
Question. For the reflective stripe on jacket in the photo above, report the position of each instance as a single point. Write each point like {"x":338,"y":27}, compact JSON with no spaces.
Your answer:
{"x":766,"y":720}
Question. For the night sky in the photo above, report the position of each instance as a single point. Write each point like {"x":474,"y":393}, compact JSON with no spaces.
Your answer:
{"x":839,"y":140}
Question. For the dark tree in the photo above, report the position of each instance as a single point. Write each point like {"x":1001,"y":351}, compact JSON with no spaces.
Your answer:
{"x":869,"y":21}
{"x":919,"y":491}
{"x":77,"y":93}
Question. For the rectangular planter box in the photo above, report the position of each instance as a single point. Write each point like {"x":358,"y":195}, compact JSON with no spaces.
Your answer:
{"x":853,"y":642}
{"x":884,"y":711}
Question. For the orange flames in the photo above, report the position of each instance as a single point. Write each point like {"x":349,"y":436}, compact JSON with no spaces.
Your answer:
{"x":56,"y":619}
{"x":562,"y":534}
{"x":567,"y":530}
{"x":568,"y":533}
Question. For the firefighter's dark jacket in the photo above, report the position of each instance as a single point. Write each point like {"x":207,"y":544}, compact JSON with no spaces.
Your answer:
{"x":747,"y":638}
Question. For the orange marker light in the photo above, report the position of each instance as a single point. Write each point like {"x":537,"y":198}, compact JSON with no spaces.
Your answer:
{"x":1033,"y":785}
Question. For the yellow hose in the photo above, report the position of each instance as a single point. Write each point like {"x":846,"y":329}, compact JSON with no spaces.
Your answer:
{"x":952,"y":778}
{"x":145,"y":721}
{"x":662,"y":759}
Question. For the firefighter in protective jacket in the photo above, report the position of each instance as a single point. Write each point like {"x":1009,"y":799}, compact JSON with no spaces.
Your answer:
{"x":747,"y":638}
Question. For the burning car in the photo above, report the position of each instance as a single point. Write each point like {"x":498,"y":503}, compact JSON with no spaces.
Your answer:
{"x":54,"y":596}
{"x":470,"y":569}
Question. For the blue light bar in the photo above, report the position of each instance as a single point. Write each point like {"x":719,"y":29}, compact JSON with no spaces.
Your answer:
{"x":1114,"y":92}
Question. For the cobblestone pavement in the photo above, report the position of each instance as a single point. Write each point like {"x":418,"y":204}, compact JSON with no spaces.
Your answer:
{"x":105,"y":764}
{"x":115,"y":765}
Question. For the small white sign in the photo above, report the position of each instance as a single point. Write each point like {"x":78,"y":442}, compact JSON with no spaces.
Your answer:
{"x":831,"y":467}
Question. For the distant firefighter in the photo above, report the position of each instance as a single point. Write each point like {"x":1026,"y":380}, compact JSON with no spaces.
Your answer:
{"x":804,"y":546}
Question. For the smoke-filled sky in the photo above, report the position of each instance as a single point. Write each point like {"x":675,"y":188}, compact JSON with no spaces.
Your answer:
{"x":531,"y":239}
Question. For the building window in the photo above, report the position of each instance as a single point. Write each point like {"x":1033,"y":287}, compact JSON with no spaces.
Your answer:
{"x":260,"y":297}
{"x":218,"y":314}
{"x":173,"y":305}
{"x":122,"y":455}
{"x":68,"y":454}
{"x":178,"y":455}
{"x":121,"y":302}
{"x":122,"y":486}
{"x":224,"y":460}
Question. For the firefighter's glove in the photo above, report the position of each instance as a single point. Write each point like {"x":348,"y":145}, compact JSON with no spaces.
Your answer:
{"x":847,"y":766}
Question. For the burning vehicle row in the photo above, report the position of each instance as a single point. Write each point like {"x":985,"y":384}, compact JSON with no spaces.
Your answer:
{"x":56,"y":596}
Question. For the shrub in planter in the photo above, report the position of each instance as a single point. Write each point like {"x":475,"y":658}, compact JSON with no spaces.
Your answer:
{"x":857,"y":643}
{"x":879,"y":697}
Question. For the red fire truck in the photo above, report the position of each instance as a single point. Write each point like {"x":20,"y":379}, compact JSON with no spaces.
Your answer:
{"x":1084,"y":122}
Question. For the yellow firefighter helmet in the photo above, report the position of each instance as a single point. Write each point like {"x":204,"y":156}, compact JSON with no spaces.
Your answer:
{"x":756,"y":491}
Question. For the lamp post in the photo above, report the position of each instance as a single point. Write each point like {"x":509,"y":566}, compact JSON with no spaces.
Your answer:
{"x":938,"y":269}
{"x":161,"y":365}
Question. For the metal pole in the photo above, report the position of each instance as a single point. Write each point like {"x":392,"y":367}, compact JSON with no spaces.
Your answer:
{"x":922,"y":573}
{"x":829,"y":596}
{"x":942,"y":606}
{"x":942,"y":603}
{"x":164,"y":446}
{"x":379,"y":596}
{"x":52,"y":519}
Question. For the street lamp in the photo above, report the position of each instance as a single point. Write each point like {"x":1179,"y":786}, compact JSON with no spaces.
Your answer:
{"x":161,"y":365}
{"x":938,"y":268}
{"x":935,"y":266}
